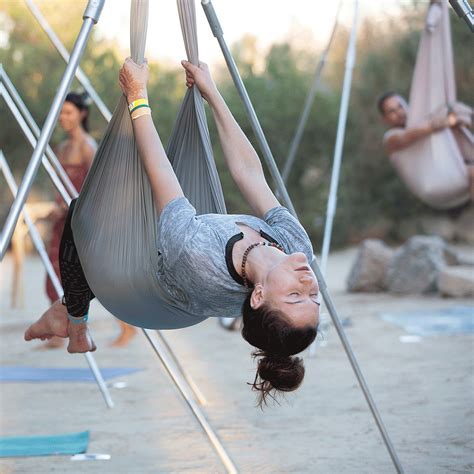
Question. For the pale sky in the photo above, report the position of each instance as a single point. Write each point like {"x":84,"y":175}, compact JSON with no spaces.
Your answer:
{"x":268,"y":20}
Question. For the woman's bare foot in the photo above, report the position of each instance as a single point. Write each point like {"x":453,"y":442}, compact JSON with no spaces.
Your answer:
{"x":126,"y":334}
{"x":80,"y":340}
{"x":53,"y":322}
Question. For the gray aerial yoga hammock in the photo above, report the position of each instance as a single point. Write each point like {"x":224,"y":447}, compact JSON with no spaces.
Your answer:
{"x":115,"y":220}
{"x":434,"y":168}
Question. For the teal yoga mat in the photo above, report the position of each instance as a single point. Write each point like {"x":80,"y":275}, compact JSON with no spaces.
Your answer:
{"x":21,"y":446}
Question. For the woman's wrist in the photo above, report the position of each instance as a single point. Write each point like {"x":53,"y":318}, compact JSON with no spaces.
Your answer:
{"x":138,"y":94}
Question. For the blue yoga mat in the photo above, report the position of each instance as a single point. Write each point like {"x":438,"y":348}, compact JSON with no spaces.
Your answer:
{"x":49,"y":374}
{"x":18,"y":446}
{"x":446,"y":321}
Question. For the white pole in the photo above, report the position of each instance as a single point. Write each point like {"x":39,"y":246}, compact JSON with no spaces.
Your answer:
{"x":341,"y":128}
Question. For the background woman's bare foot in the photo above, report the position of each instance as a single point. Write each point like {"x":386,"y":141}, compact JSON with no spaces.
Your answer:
{"x":53,"y":322}
{"x":80,"y":340}
{"x":126,"y":334}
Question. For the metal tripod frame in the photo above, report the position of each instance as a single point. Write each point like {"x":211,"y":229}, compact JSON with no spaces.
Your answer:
{"x":267,"y":154}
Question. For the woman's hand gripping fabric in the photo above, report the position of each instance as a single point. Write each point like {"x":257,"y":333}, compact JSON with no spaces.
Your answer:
{"x":133,"y":79}
{"x":201,"y":77}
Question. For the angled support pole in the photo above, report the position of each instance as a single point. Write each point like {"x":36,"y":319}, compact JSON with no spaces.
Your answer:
{"x":80,"y":75}
{"x":160,"y":350}
{"x":91,"y":16}
{"x":219,"y":34}
{"x":290,"y":160}
{"x":38,"y":243}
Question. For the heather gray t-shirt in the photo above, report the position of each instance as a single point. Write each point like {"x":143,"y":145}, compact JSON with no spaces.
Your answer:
{"x":196,"y":268}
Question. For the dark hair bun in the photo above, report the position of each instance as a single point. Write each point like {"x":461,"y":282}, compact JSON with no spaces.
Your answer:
{"x":277,"y":374}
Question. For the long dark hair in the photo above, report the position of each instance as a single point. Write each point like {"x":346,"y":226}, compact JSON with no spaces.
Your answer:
{"x":278,"y":340}
{"x":81,"y":103}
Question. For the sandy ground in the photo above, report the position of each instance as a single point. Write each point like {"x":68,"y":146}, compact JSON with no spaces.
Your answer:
{"x":424,"y":392}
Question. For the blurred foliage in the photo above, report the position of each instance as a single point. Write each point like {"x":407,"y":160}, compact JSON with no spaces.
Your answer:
{"x":370,"y":193}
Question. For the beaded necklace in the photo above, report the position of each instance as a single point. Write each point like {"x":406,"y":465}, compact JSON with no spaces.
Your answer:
{"x":246,"y":254}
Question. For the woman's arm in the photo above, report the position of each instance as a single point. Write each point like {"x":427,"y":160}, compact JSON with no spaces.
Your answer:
{"x":164,"y":184}
{"x":240,"y":156}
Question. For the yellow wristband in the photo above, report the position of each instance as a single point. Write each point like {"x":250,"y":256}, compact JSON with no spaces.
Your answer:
{"x":137,"y":103}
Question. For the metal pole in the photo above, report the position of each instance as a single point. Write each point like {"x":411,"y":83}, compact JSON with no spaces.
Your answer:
{"x":33,"y":127}
{"x":309,"y":102}
{"x":341,"y":129}
{"x":192,"y":385}
{"x":81,"y":77}
{"x":180,"y":384}
{"x":218,"y":33}
{"x":267,"y":153}
{"x":91,"y":16}
{"x":38,"y":243}
{"x":30,"y":137}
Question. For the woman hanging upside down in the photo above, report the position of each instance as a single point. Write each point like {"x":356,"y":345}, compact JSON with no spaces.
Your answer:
{"x":224,"y":264}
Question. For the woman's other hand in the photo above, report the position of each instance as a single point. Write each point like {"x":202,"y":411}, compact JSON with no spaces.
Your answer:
{"x":201,"y":77}
{"x":133,"y":79}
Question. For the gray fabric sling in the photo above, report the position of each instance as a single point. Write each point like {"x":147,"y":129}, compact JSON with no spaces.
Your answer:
{"x":115,"y":220}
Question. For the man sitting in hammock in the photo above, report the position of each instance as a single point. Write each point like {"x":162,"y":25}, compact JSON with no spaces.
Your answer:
{"x":393,"y":108}
{"x":224,"y":264}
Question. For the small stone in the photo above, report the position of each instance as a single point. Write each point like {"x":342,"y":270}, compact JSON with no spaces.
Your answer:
{"x":369,"y":269}
{"x":456,"y":281}
{"x":415,"y":266}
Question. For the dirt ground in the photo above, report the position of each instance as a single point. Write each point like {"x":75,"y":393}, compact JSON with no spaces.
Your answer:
{"x":423,"y":390}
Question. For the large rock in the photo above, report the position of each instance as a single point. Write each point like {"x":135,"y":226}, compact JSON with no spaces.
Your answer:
{"x":415,"y":266}
{"x":456,"y":281}
{"x":369,"y":269}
